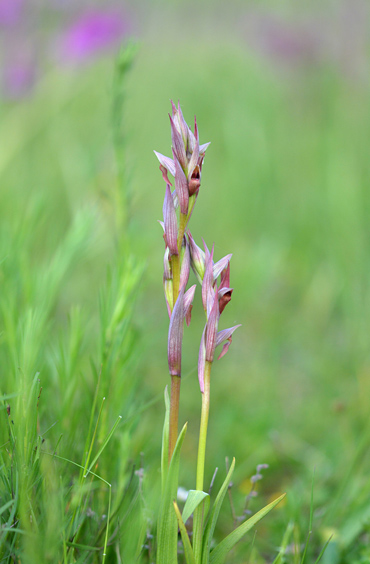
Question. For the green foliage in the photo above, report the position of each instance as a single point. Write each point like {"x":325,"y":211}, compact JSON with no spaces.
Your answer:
{"x":289,"y":168}
{"x":213,"y":516}
{"x":188,"y":549}
{"x":195,"y":498}
{"x":68,"y":485}
{"x":220,"y":552}
{"x":167,"y":521}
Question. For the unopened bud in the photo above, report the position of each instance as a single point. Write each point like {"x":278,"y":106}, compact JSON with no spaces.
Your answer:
{"x":197,"y":258}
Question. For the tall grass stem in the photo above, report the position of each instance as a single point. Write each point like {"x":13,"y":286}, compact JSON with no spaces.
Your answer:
{"x":198,"y":513}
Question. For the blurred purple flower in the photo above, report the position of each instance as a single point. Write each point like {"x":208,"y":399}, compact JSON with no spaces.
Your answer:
{"x":10,"y":12}
{"x":18,"y":78}
{"x":291,"y":43}
{"x":93,"y":32}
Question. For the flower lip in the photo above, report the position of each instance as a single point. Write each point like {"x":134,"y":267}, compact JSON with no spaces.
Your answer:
{"x":194,"y":182}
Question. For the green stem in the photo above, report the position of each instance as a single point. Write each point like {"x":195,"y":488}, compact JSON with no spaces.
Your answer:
{"x":182,"y":227}
{"x":174,"y":414}
{"x":175,"y":380}
{"x":175,"y":265}
{"x":198,"y":513}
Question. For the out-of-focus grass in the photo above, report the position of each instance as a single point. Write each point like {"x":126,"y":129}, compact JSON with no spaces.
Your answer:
{"x":285,"y":189}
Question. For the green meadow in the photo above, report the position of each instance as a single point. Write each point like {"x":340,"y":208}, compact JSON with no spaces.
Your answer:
{"x":83,"y":320}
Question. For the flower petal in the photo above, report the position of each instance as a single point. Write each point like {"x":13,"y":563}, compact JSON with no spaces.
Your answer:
{"x":203,"y":148}
{"x":170,"y":222}
{"x":167,"y":281}
{"x":224,"y":296}
{"x":207,"y":285}
{"x":166,"y":162}
{"x":220,"y":265}
{"x":178,"y":145}
{"x":191,"y":141}
{"x":211,"y":332}
{"x":197,"y":258}
{"x":168,"y":294}
{"x":184,"y":128}
{"x":194,"y":158}
{"x":188,"y":303}
{"x":175,"y":199}
{"x":167,"y":265}
{"x":196,"y":133}
{"x":225,"y":335}
{"x":181,"y":184}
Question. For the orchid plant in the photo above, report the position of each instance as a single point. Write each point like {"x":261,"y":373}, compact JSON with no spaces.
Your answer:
{"x":181,"y":254}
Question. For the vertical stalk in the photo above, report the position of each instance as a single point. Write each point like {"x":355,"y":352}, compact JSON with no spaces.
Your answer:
{"x":176,"y":380}
{"x":175,"y":265}
{"x":198,"y":513}
{"x":174,"y":414}
{"x":182,"y":227}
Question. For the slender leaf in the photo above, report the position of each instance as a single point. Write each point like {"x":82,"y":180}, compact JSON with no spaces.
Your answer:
{"x":284,"y":543}
{"x":195,"y":498}
{"x":6,"y":506}
{"x":105,"y":442}
{"x":91,"y":424}
{"x":83,"y":546}
{"x":213,"y":516}
{"x":219,"y":553}
{"x":310,"y":524}
{"x":167,"y":521}
{"x":107,"y":527}
{"x":188,"y":549}
{"x":323,"y":550}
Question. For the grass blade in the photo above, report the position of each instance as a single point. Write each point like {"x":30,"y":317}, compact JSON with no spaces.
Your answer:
{"x":284,"y":543}
{"x":212,"y":520}
{"x":107,"y":527}
{"x":188,"y":549}
{"x":195,"y":498}
{"x":323,"y":550}
{"x":105,"y":442}
{"x":310,"y":524}
{"x":167,"y":522}
{"x":219,"y":553}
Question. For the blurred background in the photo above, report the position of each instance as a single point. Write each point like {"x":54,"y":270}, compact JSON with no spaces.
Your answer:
{"x":282,"y":92}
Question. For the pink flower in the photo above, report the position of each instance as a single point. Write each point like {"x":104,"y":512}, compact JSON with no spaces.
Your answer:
{"x":10,"y":12}
{"x":93,"y":32}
